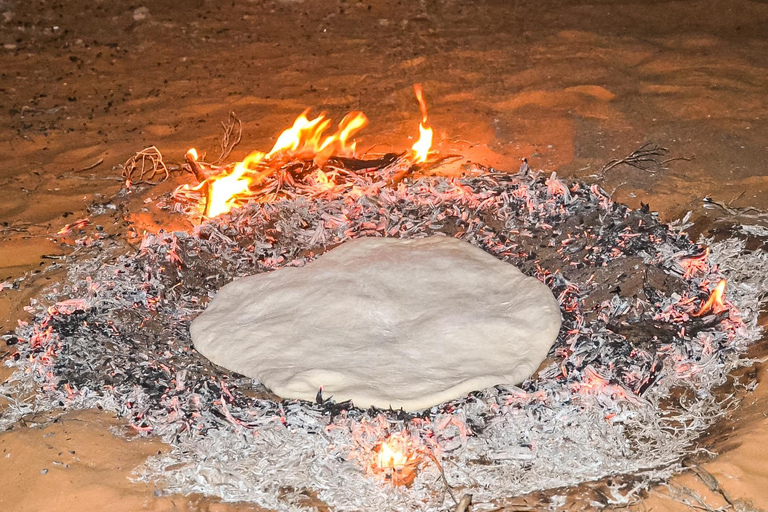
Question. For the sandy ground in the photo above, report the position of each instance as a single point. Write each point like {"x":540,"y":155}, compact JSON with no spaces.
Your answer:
{"x":570,"y":85}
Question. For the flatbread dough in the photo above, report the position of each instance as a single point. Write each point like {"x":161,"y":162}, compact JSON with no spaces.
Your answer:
{"x":383,"y":322}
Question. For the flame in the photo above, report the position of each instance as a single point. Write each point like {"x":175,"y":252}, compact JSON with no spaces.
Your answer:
{"x":223,"y":190}
{"x":716,"y":300}
{"x":390,"y":455}
{"x":303,"y":132}
{"x":424,"y":144}
{"x":304,"y":139}
{"x":307,"y":139}
{"x":305,"y":136}
{"x":395,"y":460}
{"x":350,"y":125}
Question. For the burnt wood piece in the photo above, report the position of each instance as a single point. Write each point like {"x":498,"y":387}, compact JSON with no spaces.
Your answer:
{"x":357,"y":164}
{"x":645,"y":329}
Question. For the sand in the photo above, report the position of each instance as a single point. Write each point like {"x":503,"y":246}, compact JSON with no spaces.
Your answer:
{"x":76,"y":463}
{"x":569,"y":85}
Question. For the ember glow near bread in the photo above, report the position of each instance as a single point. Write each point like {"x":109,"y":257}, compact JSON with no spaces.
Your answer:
{"x":383,"y":322}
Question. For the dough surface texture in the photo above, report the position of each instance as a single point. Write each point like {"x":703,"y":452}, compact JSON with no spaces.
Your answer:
{"x":383,"y":322}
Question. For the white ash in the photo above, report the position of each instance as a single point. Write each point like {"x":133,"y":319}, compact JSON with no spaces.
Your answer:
{"x":578,"y":421}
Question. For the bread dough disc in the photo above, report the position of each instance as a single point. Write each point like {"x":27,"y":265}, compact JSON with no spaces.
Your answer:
{"x":383,"y":322}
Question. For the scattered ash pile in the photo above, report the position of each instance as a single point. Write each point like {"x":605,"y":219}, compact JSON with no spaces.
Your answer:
{"x":628,"y":387}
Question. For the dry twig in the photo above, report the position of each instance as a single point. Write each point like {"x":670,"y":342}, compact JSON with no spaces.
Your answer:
{"x":464,"y":503}
{"x":233,"y":134}
{"x":645,"y":158}
{"x":735,"y":211}
{"x":712,"y":484}
{"x":92,"y":166}
{"x":145,"y":167}
{"x":448,"y":486}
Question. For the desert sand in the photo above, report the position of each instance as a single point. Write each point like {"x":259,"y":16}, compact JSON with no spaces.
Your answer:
{"x":569,"y":85}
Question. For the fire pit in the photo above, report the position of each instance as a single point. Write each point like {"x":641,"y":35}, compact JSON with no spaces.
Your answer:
{"x":650,"y":330}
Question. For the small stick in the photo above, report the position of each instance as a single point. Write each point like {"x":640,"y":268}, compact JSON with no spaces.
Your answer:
{"x":684,"y":158}
{"x":207,"y":193}
{"x":147,"y":163}
{"x":99,"y":162}
{"x":464,"y":503}
{"x":195,"y":167}
{"x":732,"y":210}
{"x":448,"y":486}
{"x":233,"y":134}
{"x":711,"y":482}
{"x":641,"y":158}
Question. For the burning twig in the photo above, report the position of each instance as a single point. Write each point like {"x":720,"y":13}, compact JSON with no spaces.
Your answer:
{"x":403,"y":168}
{"x":145,"y":167}
{"x":357,"y":164}
{"x":191,"y":158}
{"x":643,"y":158}
{"x":296,"y":164}
{"x":73,"y":226}
{"x":716,"y":300}
{"x":233,"y":134}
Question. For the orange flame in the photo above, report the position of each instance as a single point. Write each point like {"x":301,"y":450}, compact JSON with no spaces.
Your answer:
{"x":390,"y":456}
{"x":715,"y":302}
{"x":306,"y":139}
{"x":305,"y":136}
{"x":223,"y":191}
{"x":424,"y":144}
{"x":394,"y":460}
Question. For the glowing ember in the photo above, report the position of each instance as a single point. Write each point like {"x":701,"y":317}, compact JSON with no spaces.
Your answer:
{"x":395,"y":460}
{"x":192,"y":154}
{"x":73,"y":227}
{"x":323,"y":182}
{"x":424,"y":144}
{"x":715,"y":302}
{"x":695,"y":264}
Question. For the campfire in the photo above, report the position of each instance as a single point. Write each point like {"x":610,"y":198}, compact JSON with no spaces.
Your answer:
{"x":303,"y":160}
{"x":649,"y":332}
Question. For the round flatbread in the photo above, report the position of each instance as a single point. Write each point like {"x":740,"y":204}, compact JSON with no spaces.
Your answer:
{"x":383,"y":322}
